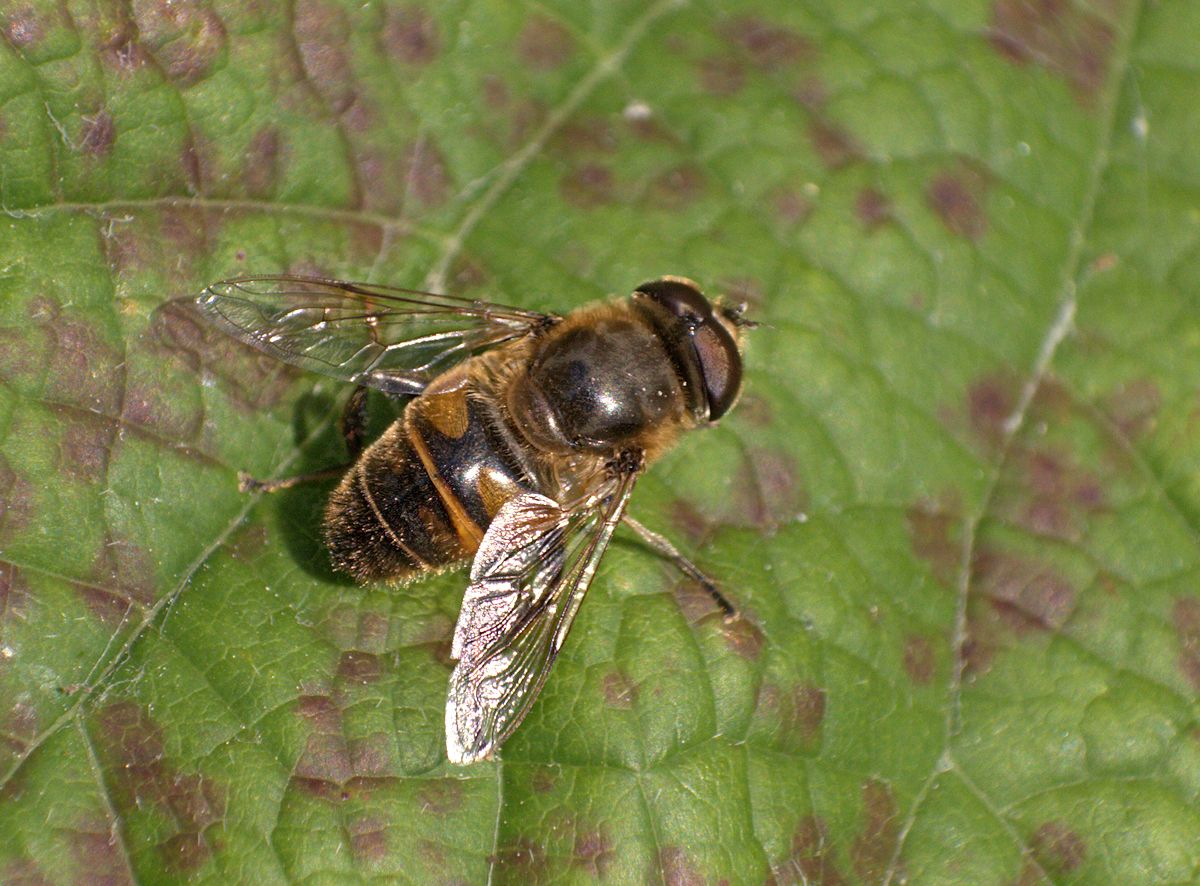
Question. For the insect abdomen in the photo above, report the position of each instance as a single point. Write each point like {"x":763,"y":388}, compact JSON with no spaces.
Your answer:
{"x":421,"y":497}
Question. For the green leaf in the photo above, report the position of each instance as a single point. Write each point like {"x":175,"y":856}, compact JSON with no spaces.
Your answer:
{"x":959,"y":503}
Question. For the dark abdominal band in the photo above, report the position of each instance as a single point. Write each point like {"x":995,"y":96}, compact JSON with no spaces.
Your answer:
{"x":391,"y":519}
{"x":386,"y":519}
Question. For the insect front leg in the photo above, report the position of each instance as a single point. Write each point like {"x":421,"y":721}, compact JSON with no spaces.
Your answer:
{"x":664,"y":548}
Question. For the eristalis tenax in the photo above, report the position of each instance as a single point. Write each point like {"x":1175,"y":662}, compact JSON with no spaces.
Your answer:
{"x":518,"y":451}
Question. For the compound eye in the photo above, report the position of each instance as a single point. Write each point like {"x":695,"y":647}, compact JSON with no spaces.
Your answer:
{"x":681,"y":297}
{"x":720,"y":366}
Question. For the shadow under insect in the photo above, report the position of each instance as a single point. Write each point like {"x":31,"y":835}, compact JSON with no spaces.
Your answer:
{"x":298,"y":510}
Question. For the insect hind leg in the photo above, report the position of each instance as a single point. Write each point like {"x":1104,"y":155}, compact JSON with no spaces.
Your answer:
{"x":353,"y":423}
{"x":664,"y":548}
{"x":246,"y":483}
{"x":353,"y":427}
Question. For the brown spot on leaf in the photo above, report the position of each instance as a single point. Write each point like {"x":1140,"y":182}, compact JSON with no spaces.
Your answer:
{"x":767,"y":492}
{"x":185,"y":38}
{"x":95,"y":842}
{"x":990,"y":401}
{"x":695,"y":602}
{"x":425,"y":176}
{"x":689,"y":520}
{"x":619,"y":691}
{"x":468,"y":272}
{"x":322,"y":34}
{"x":873,"y":849}
{"x":98,"y":134}
{"x":184,"y":852}
{"x":918,"y":659}
{"x":593,"y":851}
{"x":768,"y":46}
{"x":253,"y":380}
{"x":441,"y":796}
{"x":186,"y":231}
{"x":1031,"y":874}
{"x":523,"y":858}
{"x":790,"y":206}
{"x":121,"y":577}
{"x":834,"y":145}
{"x":131,"y":746}
{"x":21,"y":27}
{"x":18,"y":725}
{"x":370,"y":756}
{"x":806,"y":712}
{"x":798,"y":713}
{"x":260,"y":164}
{"x":434,"y":854}
{"x":544,"y":781}
{"x":1133,"y":407}
{"x":1058,"y":848}
{"x":591,"y":133}
{"x":248,"y":543}
{"x":931,"y":530}
{"x":14,"y":592}
{"x":544,"y":44}
{"x":873,"y":208}
{"x":83,"y":370}
{"x":359,"y":667}
{"x":111,"y":608}
{"x":410,"y":35}
{"x":195,"y":800}
{"x":321,"y":711}
{"x":325,"y":758}
{"x":957,"y":198}
{"x":1186,"y":616}
{"x":319,"y":787}
{"x":495,"y":91}
{"x":1027,"y":596}
{"x":22,"y":871}
{"x":677,"y":869}
{"x":588,"y":186}
{"x":812,"y":93}
{"x":1069,"y":40}
{"x":122,"y":51}
{"x":756,"y":410}
{"x":802,"y":711}
{"x":127,"y":568}
{"x":744,"y":638}
{"x":1012,"y":594}
{"x":721,"y":75}
{"x":677,"y":187}
{"x":811,"y":861}
{"x":16,"y":500}
{"x":361,"y":114}
{"x":1055,"y":493}
{"x":368,"y":838}
{"x":373,"y":630}
{"x":83,"y":452}
{"x":18,"y":359}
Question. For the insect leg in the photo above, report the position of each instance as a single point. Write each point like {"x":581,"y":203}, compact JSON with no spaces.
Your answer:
{"x":665,"y":549}
{"x":353,"y":423}
{"x":246,"y":483}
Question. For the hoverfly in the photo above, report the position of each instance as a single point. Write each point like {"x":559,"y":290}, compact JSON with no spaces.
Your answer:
{"x":519,"y":451}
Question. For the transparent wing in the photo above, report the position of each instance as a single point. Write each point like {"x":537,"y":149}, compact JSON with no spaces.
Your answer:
{"x":528,"y":578}
{"x":395,"y":340}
